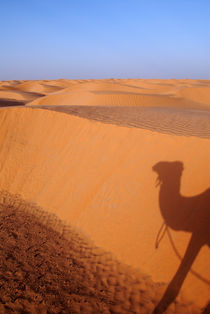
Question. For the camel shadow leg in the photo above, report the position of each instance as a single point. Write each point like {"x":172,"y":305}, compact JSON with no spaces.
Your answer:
{"x":174,"y":286}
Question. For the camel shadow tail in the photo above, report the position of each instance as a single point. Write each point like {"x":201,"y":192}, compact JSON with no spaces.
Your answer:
{"x":181,"y":213}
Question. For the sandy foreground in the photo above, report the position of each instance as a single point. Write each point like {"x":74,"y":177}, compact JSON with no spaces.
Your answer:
{"x":84,"y":235}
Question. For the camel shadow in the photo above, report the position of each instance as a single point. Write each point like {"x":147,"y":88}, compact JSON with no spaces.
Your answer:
{"x":181,"y":213}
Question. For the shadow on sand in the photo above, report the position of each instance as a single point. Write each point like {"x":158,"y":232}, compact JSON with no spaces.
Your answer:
{"x":11,"y":103}
{"x":180,"y":213}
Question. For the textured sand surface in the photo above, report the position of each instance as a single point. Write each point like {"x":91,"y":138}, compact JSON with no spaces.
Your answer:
{"x":48,"y":267}
{"x":98,"y":177}
{"x":165,"y":120}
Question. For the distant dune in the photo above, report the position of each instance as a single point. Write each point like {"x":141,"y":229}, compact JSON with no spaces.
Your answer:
{"x":192,"y":94}
{"x":94,"y":169}
{"x":154,"y":93}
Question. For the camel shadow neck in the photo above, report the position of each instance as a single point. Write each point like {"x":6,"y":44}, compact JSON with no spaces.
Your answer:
{"x":171,"y":188}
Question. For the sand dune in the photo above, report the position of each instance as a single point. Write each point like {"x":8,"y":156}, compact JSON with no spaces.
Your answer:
{"x":126,"y":93}
{"x":192,"y":94}
{"x":37,"y":87}
{"x":11,"y":95}
{"x":99,"y":178}
{"x":14,"y":94}
{"x":200,"y":94}
{"x":94,"y":168}
{"x":27,"y":91}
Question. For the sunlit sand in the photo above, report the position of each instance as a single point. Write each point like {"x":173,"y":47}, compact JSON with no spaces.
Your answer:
{"x":85,"y":152}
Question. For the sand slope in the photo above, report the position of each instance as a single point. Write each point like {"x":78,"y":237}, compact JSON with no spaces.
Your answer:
{"x":99,"y":178}
{"x":48,"y":267}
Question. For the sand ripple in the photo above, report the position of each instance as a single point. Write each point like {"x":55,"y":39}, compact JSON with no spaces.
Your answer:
{"x":165,"y":120}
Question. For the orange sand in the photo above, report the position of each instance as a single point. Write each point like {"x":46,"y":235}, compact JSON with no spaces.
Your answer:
{"x":131,"y":93}
{"x":98,"y":177}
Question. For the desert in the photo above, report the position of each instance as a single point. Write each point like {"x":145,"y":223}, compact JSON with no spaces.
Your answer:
{"x":105,"y":196}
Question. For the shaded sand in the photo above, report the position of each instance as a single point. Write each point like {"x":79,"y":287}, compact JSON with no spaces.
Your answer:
{"x":11,"y":102}
{"x":9,"y":97}
{"x":27,"y":91}
{"x":47,"y":267}
{"x":99,"y":178}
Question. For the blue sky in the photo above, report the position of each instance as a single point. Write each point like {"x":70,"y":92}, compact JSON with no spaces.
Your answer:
{"x":75,"y":39}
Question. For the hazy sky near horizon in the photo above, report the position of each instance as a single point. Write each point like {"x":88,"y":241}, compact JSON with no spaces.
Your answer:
{"x":76,"y":39}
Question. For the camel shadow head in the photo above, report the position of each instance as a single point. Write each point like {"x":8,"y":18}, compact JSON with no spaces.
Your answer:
{"x":168,"y":171}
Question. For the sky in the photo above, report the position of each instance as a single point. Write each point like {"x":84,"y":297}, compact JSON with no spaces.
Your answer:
{"x":80,"y":39}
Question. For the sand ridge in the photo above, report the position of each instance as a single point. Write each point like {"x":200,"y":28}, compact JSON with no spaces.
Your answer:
{"x":164,"y":120}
